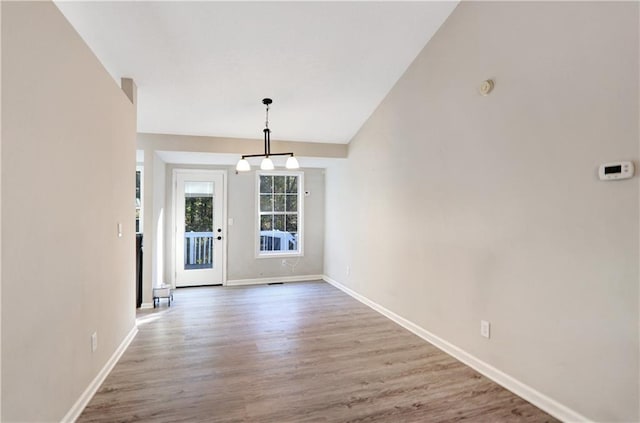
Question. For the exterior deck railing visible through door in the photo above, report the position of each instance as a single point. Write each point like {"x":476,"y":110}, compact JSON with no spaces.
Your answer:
{"x":198,"y":250}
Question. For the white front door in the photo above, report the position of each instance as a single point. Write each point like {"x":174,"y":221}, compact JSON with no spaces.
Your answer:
{"x":199,"y":223}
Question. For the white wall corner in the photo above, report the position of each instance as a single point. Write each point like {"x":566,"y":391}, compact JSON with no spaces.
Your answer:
{"x":77,"y":408}
{"x":0,"y":220}
{"x":524,"y":391}
{"x":130,"y":88}
{"x":148,"y":225}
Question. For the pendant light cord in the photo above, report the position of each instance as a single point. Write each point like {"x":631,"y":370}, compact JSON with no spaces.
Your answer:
{"x":267,"y":133}
{"x":266,"y":123}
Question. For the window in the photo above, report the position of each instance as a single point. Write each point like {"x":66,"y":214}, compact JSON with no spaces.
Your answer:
{"x":279,"y":213}
{"x":138,"y":199}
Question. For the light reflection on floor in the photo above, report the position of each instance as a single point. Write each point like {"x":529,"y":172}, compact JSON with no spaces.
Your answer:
{"x":144,"y":316}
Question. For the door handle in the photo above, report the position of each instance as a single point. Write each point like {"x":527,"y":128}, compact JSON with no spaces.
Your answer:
{"x":219,"y":238}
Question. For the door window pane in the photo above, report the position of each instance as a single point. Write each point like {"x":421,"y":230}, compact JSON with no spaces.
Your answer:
{"x":198,"y":225}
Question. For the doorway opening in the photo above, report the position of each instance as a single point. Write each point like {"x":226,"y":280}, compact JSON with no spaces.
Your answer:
{"x":200,"y":227}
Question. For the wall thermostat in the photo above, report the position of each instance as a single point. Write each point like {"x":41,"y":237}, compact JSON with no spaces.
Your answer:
{"x":616,"y":170}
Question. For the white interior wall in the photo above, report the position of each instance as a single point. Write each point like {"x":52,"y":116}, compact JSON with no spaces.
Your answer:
{"x":68,"y":142}
{"x":159,"y":222}
{"x":242,"y":265}
{"x":491,"y":208}
{"x":153,"y":225}
{"x":638,"y":52}
{"x":149,"y":228}
{"x":0,"y":217}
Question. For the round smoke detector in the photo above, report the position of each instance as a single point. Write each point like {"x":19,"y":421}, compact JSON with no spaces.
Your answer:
{"x":486,"y":87}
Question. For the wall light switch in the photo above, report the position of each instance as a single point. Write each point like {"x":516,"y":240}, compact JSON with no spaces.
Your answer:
{"x":230,"y":221}
{"x":119,"y":230}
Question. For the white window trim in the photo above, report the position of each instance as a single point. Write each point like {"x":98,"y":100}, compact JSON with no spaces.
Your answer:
{"x":300,"y":253}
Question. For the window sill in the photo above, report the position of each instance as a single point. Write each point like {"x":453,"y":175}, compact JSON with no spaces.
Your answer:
{"x":278,"y":255}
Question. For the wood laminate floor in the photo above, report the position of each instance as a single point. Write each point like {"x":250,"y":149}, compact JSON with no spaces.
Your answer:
{"x":299,"y":352}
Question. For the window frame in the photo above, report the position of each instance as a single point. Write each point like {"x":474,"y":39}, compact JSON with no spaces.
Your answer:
{"x":280,"y":254}
{"x":140,"y":168}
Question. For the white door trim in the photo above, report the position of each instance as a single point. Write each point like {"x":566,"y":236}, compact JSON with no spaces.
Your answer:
{"x":174,"y":206}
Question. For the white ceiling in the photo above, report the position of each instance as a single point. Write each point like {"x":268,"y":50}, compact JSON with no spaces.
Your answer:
{"x":202,"y":68}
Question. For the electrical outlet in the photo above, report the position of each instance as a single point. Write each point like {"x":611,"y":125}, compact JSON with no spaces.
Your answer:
{"x":485,"y":328}
{"x":94,"y":341}
{"x":284,"y":262}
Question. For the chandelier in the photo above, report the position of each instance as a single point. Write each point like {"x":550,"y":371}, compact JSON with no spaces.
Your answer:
{"x":266,"y":164}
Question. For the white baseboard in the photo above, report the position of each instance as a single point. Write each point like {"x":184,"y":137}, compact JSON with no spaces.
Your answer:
{"x":535,"y":397}
{"x":146,"y":305}
{"x":88,"y":393}
{"x":277,"y":279}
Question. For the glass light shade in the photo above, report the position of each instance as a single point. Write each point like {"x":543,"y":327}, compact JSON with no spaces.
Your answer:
{"x":292,"y":163}
{"x":243,"y":165}
{"x":266,"y":164}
